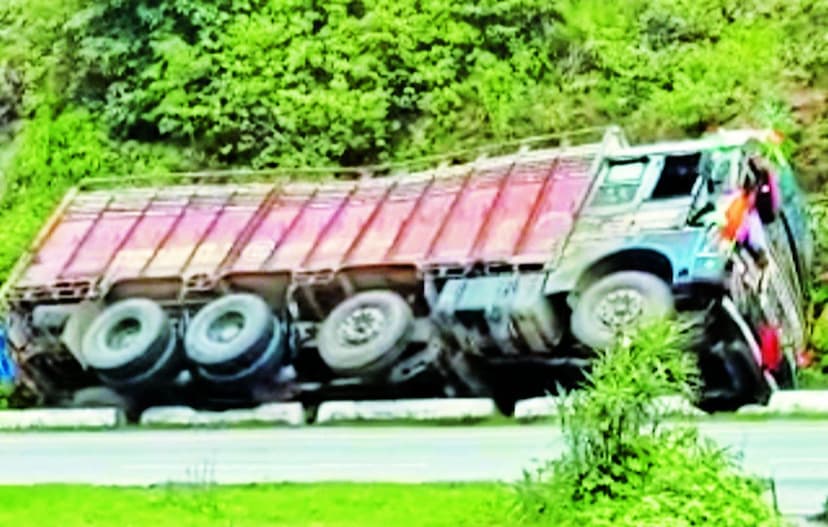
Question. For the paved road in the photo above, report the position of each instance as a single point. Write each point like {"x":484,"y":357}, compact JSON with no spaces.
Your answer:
{"x":794,"y":453}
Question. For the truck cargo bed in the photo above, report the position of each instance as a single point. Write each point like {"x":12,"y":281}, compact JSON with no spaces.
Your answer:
{"x":510,"y":210}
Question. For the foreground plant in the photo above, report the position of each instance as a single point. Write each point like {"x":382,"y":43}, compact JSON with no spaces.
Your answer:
{"x":5,"y":392}
{"x":823,"y":516}
{"x":622,"y":466}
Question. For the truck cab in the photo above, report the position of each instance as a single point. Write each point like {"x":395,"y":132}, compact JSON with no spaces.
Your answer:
{"x":658,"y":209}
{"x":647,"y":242}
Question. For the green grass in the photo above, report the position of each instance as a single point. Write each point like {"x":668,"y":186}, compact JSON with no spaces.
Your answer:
{"x":300,"y":505}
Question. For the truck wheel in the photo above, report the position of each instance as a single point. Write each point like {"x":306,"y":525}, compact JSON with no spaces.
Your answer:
{"x":366,"y":333}
{"x":234,"y":337}
{"x":129,"y":339}
{"x":746,"y":384}
{"x":785,"y":375}
{"x":617,"y":301}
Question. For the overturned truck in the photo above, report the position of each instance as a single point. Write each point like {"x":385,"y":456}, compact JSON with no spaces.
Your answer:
{"x":493,"y":277}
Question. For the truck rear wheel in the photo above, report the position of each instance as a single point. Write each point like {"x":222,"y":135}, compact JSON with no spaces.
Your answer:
{"x":616,"y":301}
{"x":131,"y":343}
{"x":234,"y":338}
{"x":365,"y":334}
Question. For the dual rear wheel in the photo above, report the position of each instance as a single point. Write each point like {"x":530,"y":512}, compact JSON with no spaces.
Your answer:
{"x":133,"y":344}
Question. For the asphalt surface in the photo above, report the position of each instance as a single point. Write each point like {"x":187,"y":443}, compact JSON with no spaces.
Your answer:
{"x":794,"y":453}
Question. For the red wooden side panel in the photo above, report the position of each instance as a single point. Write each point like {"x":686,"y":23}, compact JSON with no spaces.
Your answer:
{"x":386,"y":225}
{"x":139,"y":248}
{"x":504,"y":210}
{"x":509,"y":220}
{"x":423,"y":224}
{"x":554,"y":214}
{"x":345,"y":228}
{"x":470,"y":209}
{"x":304,"y":234}
{"x":275,"y":226}
{"x":223,"y":234}
{"x":48,"y":262}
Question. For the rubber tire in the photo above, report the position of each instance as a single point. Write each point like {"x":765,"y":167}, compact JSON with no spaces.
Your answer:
{"x":144,"y":352}
{"x":589,"y":330}
{"x":749,"y":386}
{"x":253,"y":339}
{"x":786,"y":374}
{"x":376,"y":355}
{"x":163,"y":371}
{"x":263,"y":364}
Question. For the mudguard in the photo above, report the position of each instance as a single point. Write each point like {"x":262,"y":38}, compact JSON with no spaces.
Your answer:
{"x":683,"y":250}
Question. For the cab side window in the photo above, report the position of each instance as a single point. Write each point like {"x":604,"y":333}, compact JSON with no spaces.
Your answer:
{"x":621,"y":183}
{"x":678,"y":176}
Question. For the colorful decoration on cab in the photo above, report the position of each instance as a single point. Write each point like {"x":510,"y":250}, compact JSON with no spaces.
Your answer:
{"x":742,"y":212}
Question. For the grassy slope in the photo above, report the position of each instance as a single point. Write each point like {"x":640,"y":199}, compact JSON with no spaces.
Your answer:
{"x":319,"y":505}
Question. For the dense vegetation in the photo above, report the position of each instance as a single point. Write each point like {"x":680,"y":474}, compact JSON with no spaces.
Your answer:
{"x":622,"y":468}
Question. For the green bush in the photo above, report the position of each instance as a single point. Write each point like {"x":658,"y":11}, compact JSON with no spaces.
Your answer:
{"x":268,"y":82}
{"x":823,"y":516}
{"x":621,"y":467}
{"x":55,"y":151}
{"x":309,"y":83}
{"x":5,"y":392}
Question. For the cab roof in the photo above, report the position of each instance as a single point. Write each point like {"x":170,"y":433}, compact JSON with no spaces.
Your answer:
{"x":719,"y":140}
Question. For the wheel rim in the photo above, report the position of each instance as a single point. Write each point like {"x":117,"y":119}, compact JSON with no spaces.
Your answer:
{"x":226,"y":327}
{"x":361,"y":326}
{"x":621,"y":308}
{"x":123,"y":334}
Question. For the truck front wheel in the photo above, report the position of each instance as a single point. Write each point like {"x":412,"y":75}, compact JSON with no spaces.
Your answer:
{"x":365,"y":334}
{"x":740,"y":381}
{"x":618,"y":301}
